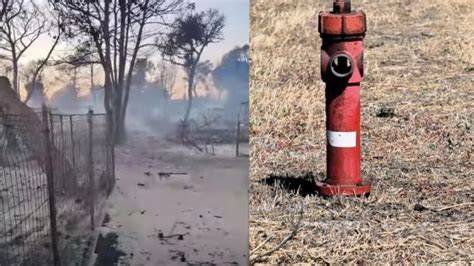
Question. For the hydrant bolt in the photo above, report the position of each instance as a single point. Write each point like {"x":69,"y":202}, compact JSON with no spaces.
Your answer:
{"x":342,"y":6}
{"x":342,"y":32}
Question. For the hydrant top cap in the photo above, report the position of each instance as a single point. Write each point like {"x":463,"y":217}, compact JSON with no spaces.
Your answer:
{"x":353,"y":23}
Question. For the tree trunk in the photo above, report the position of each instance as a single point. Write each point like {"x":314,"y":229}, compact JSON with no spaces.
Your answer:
{"x":15,"y":77}
{"x":190,"y":97}
{"x":108,"y":107}
{"x":121,"y":132}
{"x":110,"y":83}
{"x":119,"y":125}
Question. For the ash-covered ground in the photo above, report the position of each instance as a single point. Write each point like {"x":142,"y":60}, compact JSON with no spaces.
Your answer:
{"x":174,"y":204}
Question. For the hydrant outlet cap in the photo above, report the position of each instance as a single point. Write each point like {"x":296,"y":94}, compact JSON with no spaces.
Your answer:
{"x":341,"y":65}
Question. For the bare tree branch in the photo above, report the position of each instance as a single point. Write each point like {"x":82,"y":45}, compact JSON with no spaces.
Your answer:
{"x":23,"y":24}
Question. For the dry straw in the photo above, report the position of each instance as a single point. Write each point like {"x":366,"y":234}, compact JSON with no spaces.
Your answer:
{"x":417,"y":122}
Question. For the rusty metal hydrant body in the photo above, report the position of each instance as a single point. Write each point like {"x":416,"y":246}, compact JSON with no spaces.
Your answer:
{"x":342,"y":32}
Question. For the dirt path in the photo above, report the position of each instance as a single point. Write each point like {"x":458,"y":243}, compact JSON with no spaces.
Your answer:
{"x":198,"y":216}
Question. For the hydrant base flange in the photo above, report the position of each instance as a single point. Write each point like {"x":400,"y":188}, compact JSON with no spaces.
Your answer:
{"x":343,"y":190}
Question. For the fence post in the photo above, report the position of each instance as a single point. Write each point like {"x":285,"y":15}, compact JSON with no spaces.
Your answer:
{"x":48,"y":161}
{"x":237,"y":137}
{"x":60,"y":145}
{"x":112,"y":147}
{"x":72,"y":143}
{"x":91,"y":170}
{"x":112,"y":143}
{"x":62,"y":128}
{"x":51,"y":126}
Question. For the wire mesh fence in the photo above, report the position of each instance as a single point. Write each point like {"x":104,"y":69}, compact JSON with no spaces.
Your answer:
{"x":25,"y":229}
{"x":55,"y":174}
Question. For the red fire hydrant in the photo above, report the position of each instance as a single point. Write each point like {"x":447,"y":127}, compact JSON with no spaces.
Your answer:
{"x":342,"y":32}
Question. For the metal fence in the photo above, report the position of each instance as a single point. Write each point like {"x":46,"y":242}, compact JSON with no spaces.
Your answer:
{"x":55,"y":174}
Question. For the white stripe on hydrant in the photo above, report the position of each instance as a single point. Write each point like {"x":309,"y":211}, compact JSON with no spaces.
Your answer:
{"x":342,"y":139}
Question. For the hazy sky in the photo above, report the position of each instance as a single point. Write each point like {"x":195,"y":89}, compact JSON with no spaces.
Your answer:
{"x":236,"y":31}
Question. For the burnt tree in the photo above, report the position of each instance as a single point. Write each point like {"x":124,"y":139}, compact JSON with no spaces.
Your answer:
{"x":119,"y":29}
{"x":23,"y":22}
{"x":186,"y":42}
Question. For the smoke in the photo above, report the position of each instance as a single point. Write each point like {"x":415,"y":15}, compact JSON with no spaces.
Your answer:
{"x":153,"y":110}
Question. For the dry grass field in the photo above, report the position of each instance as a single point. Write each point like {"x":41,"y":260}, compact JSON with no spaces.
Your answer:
{"x":417,"y":134}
